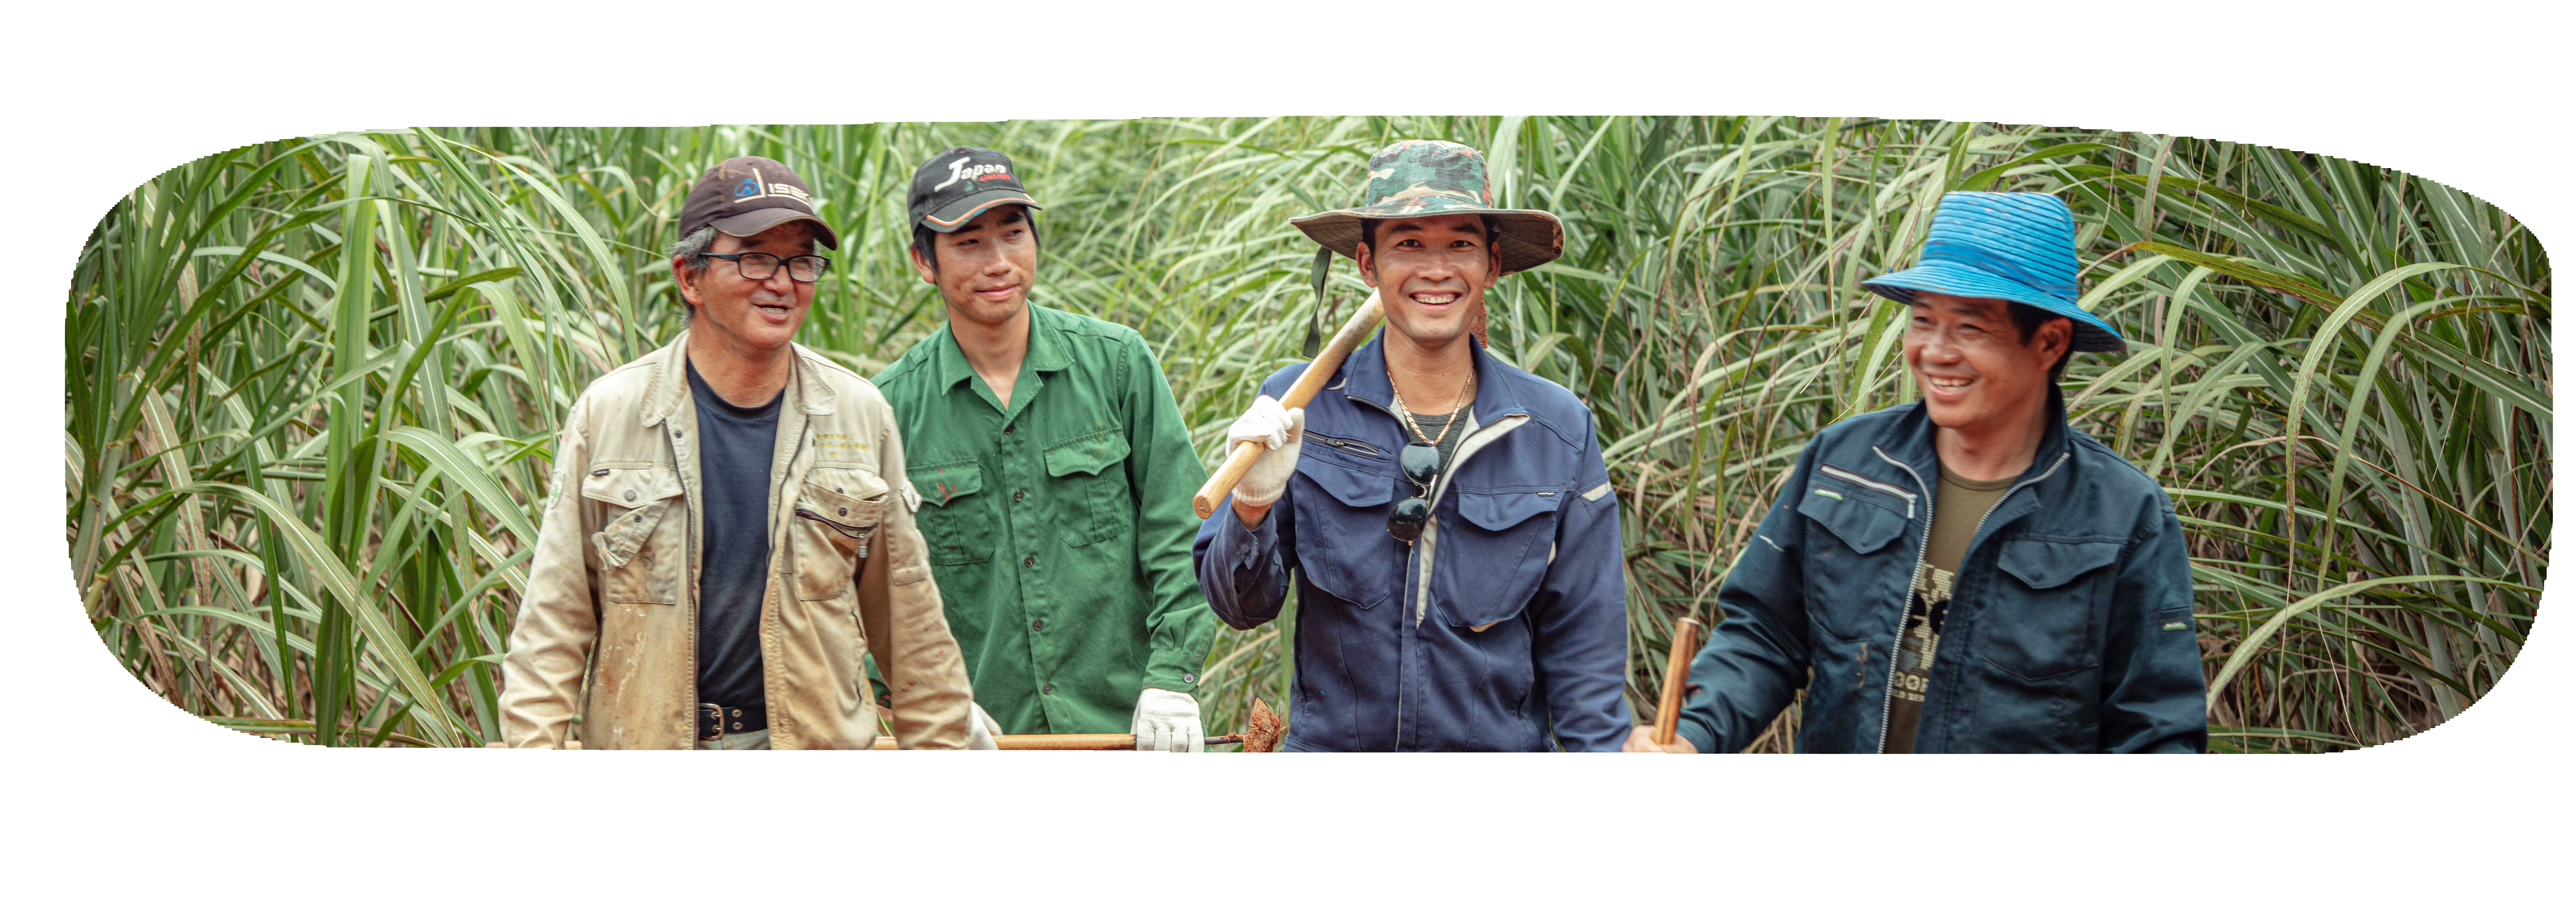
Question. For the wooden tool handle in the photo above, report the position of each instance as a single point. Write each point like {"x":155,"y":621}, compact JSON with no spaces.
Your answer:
{"x":1668,"y":708}
{"x":1239,"y":460}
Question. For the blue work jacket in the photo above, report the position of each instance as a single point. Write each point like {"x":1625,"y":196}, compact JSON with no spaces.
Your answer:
{"x":1504,"y":623}
{"x":2069,"y":627}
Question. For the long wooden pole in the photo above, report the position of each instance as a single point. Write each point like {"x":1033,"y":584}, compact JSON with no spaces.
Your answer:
{"x":1354,"y":333}
{"x":1668,"y":708}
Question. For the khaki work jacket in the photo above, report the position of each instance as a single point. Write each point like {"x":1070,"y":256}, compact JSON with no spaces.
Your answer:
{"x":612,"y":590}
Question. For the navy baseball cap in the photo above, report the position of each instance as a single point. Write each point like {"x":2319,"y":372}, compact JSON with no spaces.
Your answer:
{"x":960,"y":184}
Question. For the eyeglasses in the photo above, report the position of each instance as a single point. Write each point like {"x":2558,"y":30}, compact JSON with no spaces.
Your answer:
{"x":759,"y":267}
{"x":1421,"y":462}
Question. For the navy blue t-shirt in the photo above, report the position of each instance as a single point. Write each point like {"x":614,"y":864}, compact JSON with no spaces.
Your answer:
{"x":735,"y":447}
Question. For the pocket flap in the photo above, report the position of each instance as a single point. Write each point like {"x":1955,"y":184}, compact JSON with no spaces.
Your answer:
{"x":820,"y":497}
{"x":1087,"y":455}
{"x":1496,"y":512}
{"x":630,"y":485}
{"x":1350,"y":486}
{"x":939,"y":483}
{"x":2043,"y":564}
{"x":1864,"y":526}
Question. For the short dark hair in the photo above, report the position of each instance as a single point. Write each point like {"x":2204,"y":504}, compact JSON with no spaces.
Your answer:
{"x":925,"y":241}
{"x":1368,"y":231}
{"x":2028,"y":319}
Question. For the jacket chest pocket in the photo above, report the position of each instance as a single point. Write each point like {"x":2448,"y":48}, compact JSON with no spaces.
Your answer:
{"x":836,"y":515}
{"x":2037,"y":622}
{"x":1857,"y":570}
{"x":956,"y":517}
{"x":1087,"y":481}
{"x":1342,"y":544}
{"x":1487,"y":562}
{"x":640,"y":545}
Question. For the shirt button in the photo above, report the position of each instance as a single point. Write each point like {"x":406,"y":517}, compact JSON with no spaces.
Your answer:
{"x":630,"y":494}
{"x":1009,"y":428}
{"x":1030,"y":560}
{"x":845,"y":511}
{"x":1039,"y":624}
{"x":1048,"y":690}
{"x":1189,"y":677}
{"x":1020,"y":495}
{"x":676,"y":433}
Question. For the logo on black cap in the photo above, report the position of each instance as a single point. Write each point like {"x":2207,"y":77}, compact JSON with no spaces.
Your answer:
{"x":960,"y":184}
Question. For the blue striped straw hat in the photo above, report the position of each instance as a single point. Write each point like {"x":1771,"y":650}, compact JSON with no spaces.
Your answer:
{"x":2015,"y":246}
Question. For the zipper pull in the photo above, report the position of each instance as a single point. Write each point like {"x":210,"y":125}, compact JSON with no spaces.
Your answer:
{"x":863,"y":543}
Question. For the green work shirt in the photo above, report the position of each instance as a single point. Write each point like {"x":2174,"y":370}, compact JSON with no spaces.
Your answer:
{"x":1059,"y":528}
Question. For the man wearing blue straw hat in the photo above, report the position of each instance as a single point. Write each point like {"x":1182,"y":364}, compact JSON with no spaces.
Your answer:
{"x":1965,"y":573}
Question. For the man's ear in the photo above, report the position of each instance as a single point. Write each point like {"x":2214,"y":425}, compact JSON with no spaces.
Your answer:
{"x":684,"y":280}
{"x":2057,"y":335}
{"x":922,"y":268}
{"x":1368,"y":265}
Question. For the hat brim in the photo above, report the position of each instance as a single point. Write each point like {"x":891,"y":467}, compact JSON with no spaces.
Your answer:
{"x":761,"y":220}
{"x":954,"y":214}
{"x":2092,"y":335}
{"x":1526,"y":239}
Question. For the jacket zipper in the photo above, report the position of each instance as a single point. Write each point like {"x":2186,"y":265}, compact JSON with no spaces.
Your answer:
{"x":1353,"y":445}
{"x":1873,"y":484}
{"x":1887,"y":702}
{"x":859,"y":533}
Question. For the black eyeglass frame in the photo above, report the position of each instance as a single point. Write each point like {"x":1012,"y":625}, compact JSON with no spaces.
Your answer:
{"x":742,"y":267}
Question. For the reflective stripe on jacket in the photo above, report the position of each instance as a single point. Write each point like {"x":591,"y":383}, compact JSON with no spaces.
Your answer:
{"x":2069,"y":626}
{"x":612,"y":589}
{"x":1506,"y":622}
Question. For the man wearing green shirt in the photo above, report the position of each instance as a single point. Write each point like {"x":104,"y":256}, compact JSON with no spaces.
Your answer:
{"x":1055,"y":477}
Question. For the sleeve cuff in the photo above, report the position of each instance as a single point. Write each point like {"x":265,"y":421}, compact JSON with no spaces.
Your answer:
{"x":1698,"y":736}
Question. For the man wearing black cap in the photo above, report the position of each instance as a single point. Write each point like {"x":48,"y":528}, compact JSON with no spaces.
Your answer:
{"x":728,"y":530}
{"x":1055,"y":477}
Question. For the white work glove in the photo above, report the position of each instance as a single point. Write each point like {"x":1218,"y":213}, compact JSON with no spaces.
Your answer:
{"x":1167,"y":721}
{"x":1278,"y":428}
{"x":980,"y":729}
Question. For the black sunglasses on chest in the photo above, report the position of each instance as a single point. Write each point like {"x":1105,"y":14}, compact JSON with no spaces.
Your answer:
{"x":1421,"y":462}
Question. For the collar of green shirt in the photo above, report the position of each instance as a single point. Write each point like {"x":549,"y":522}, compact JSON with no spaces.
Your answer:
{"x":1046,"y":354}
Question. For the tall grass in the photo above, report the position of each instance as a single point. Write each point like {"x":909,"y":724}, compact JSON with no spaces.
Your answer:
{"x":311,"y":385}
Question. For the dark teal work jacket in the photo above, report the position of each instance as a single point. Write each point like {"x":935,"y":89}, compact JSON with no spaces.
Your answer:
{"x":2069,"y":629}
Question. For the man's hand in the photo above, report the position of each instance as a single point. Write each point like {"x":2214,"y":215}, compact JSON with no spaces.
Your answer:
{"x":980,"y":729}
{"x":1167,"y":721}
{"x":1641,"y":740}
{"x":1283,"y":432}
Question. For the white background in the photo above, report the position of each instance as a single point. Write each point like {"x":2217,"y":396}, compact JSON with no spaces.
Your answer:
{"x":113,"y":791}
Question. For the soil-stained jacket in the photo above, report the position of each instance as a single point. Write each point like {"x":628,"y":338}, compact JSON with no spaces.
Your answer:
{"x":613,"y":585}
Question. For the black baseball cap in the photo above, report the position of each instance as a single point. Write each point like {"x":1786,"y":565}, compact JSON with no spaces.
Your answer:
{"x":960,"y":184}
{"x":747,"y":195}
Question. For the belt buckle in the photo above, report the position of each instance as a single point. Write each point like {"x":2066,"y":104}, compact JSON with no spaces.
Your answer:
{"x":715,"y":711}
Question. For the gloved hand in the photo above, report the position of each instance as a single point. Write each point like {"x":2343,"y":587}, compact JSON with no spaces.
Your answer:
{"x":1278,"y":428}
{"x":1167,"y":721}
{"x":980,"y":729}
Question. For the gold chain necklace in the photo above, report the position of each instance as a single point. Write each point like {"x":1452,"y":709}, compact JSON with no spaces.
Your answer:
{"x":1457,"y":404}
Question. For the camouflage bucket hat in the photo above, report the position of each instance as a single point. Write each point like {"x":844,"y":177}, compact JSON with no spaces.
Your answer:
{"x":1410,"y":179}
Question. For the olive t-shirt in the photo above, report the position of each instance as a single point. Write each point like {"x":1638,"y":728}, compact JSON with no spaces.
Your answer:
{"x":1958,"y":507}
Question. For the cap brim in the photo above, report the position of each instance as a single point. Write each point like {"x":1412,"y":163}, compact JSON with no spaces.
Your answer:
{"x":761,"y":220}
{"x":954,"y":214}
{"x":1528,"y":239}
{"x":2092,"y":335}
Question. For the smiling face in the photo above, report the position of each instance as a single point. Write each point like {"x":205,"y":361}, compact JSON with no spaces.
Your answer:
{"x":745,"y":316}
{"x":1978,"y":373}
{"x":1431,"y":274}
{"x":986,"y":266}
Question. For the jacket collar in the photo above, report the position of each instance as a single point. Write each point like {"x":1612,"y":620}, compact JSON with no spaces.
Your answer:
{"x":806,"y":389}
{"x":1364,"y":377}
{"x":1910,"y":440}
{"x":1047,"y":352}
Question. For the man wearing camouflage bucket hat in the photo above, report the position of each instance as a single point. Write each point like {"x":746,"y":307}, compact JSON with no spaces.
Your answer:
{"x":1452,"y":530}
{"x":1965,"y":573}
